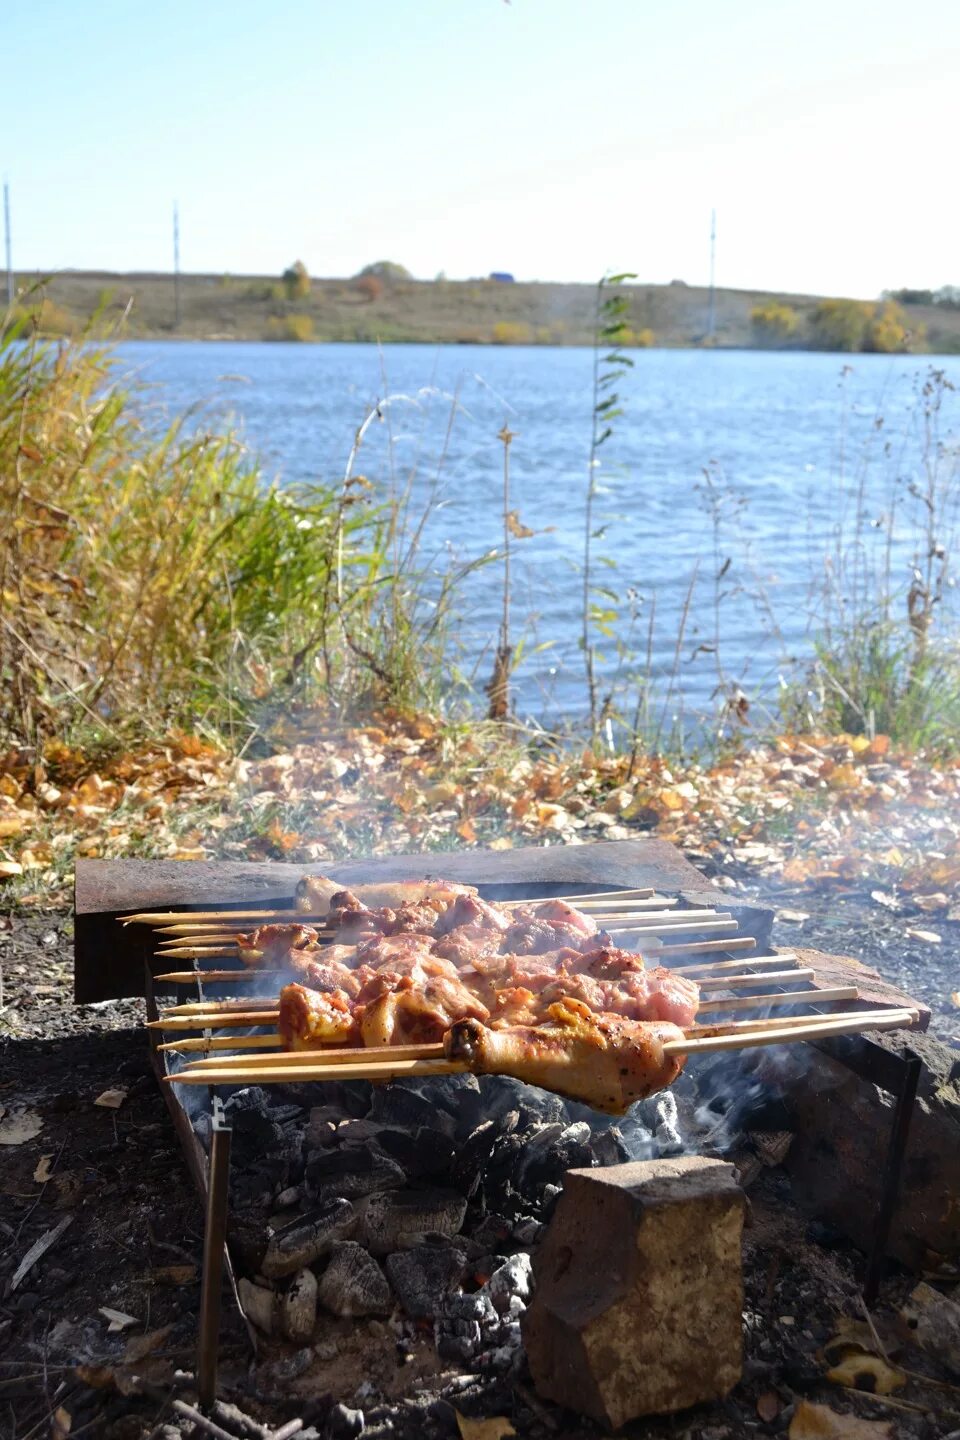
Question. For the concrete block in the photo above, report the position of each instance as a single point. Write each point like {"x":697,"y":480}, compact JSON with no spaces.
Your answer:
{"x":639,"y":1290}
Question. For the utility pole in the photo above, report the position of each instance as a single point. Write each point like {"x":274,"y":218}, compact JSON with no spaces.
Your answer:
{"x":712,"y":313}
{"x":176,"y":266}
{"x":6,"y":231}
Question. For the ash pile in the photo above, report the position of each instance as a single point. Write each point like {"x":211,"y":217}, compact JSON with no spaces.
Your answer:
{"x":403,"y":1219}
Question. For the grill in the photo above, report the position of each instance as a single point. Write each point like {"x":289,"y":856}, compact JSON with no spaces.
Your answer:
{"x":669,"y":911}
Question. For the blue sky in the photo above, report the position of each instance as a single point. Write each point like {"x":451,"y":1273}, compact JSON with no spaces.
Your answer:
{"x":552,"y":138}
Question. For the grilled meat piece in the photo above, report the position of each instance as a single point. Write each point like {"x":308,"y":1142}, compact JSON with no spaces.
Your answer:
{"x":603,"y":1060}
{"x":310,"y":1019}
{"x":271,"y":944}
{"x":314,"y":893}
{"x":418,"y":1014}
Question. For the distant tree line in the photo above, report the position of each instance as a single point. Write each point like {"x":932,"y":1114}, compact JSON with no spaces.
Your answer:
{"x":948,"y":296}
{"x":882,"y":327}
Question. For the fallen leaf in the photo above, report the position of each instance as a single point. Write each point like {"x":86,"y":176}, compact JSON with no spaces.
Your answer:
{"x":502,"y":842}
{"x":9,"y":869}
{"x":493,"y":1429}
{"x":929,"y":937}
{"x":107,"y":1377}
{"x":467,"y":831}
{"x":43,"y":1170}
{"x":62,"y":1422}
{"x":19,"y":1126}
{"x":793,"y":917}
{"x":935,"y":901}
{"x":38,"y":1249}
{"x":866,"y":1372}
{"x":118,"y":1320}
{"x":174,"y":1274}
{"x":111,"y":1099}
{"x":955,"y":998}
{"x":142,"y":1345}
{"x":819,"y":1422}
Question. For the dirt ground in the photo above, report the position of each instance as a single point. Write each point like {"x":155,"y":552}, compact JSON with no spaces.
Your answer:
{"x":115,"y":1179}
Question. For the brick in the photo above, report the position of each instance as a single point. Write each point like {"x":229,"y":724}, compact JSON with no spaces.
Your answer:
{"x":639,"y":1290}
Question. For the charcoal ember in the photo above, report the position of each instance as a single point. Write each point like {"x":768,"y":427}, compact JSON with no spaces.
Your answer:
{"x":351,"y":1171}
{"x":492,"y":1231}
{"x":423,"y":1152}
{"x":322,"y":1125}
{"x":353,"y":1283}
{"x":298,"y":1307}
{"x":402,"y":1106}
{"x":666,"y":1131}
{"x":501,"y":1093}
{"x":477,"y":1307}
{"x":473,"y":1156}
{"x":528,"y":1231}
{"x":424,"y":1276}
{"x":398,"y":1219}
{"x":308,"y":1237}
{"x":344,"y":1423}
{"x":456,"y":1339}
{"x":534,"y":1160}
{"x":512,"y":1279}
{"x":457,"y":1096}
{"x":609,"y":1147}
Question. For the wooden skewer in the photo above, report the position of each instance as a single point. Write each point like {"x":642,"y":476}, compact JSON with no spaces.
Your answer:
{"x":224,"y":1042}
{"x":218,"y":977}
{"x":198,"y":1016}
{"x":356,"y":1055}
{"x":217,"y":1020}
{"x":202,"y":1073}
{"x":814,"y":1029}
{"x":248,"y":974}
{"x":769,"y":977}
{"x":356,"y":1070}
{"x":168,"y":917}
{"x":701,"y":947}
{"x":654,"y":909}
{"x":780,"y":997}
{"x":225,"y":1005}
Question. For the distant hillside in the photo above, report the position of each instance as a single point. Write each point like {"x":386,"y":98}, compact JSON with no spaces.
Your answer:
{"x":233,"y":307}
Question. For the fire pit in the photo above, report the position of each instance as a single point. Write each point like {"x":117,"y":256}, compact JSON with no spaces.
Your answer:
{"x":436,"y":1192}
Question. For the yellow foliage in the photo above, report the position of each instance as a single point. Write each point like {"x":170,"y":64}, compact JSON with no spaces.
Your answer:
{"x":290,"y":327}
{"x":512,"y":332}
{"x":296,"y":281}
{"x":888,"y":332}
{"x":773,"y":324}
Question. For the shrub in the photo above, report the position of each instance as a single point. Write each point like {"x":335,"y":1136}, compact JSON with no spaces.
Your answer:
{"x":773,"y":324}
{"x":296,"y":281}
{"x":840,"y":324}
{"x":888,"y":330}
{"x":386,"y":270}
{"x":512,"y":332}
{"x":43,"y":317}
{"x":369,"y":286}
{"x":289,"y":327}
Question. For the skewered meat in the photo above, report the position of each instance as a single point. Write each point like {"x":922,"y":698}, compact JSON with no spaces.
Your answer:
{"x":311,"y":1018}
{"x":315,"y":892}
{"x":418,"y":1014}
{"x":271,"y":944}
{"x":601,"y":1059}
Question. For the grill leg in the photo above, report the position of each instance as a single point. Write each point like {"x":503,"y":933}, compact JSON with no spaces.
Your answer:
{"x":214,"y":1240}
{"x":892,"y":1175}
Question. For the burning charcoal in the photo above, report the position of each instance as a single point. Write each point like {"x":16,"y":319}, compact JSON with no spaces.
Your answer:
{"x":528,"y":1231}
{"x":472,"y":1157}
{"x":492,"y":1231}
{"x":299,"y":1307}
{"x":536,"y":1142}
{"x":403,"y":1107}
{"x":667,"y":1129}
{"x":353,"y":1283}
{"x":352,"y":1171}
{"x":397,"y":1219}
{"x":513,"y":1279}
{"x":456,"y":1339}
{"x":344,"y":1423}
{"x":609,"y":1147}
{"x":424,"y":1276}
{"x":258,"y":1304}
{"x":424,"y":1152}
{"x":307,"y":1238}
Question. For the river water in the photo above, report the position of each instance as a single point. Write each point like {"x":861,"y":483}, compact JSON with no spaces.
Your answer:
{"x":730,"y":486}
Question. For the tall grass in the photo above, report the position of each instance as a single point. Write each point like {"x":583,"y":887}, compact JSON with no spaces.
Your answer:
{"x":154,"y":578}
